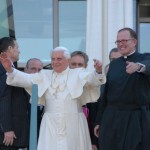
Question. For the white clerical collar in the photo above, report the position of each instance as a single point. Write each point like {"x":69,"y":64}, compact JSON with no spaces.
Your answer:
{"x":63,"y":72}
{"x":125,"y":57}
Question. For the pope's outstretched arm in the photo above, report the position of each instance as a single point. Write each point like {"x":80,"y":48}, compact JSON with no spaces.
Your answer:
{"x":24,"y":80}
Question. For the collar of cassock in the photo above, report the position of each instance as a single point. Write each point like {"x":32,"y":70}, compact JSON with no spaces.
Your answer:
{"x":59,"y":81}
{"x":125,"y":57}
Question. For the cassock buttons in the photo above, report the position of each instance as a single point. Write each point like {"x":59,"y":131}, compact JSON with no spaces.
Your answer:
{"x":125,"y":57}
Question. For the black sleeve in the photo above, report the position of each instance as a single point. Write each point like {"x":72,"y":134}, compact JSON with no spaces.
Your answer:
{"x":5,"y":103}
{"x":102,"y":102}
{"x":92,"y":116}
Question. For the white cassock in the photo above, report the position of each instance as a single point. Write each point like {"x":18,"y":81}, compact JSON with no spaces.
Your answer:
{"x":63,"y":126}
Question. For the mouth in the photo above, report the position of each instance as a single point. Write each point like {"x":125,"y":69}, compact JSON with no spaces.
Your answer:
{"x":122,"y":48}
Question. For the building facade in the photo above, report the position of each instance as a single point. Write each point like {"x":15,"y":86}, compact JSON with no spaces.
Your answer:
{"x":87,"y":25}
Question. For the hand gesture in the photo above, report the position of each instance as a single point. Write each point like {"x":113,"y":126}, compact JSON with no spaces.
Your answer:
{"x":6,"y":62}
{"x":97,"y":66}
{"x":132,"y":67}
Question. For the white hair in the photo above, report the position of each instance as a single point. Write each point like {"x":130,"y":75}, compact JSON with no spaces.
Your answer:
{"x":65,"y":51}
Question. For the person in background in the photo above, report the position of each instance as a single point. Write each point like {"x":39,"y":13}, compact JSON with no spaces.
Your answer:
{"x":113,"y":54}
{"x":123,"y":117}
{"x":35,"y":65}
{"x":80,"y":59}
{"x":14,"y":121}
{"x":65,"y":90}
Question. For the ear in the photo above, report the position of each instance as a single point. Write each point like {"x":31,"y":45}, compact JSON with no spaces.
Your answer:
{"x":135,"y":42}
{"x":9,"y":49}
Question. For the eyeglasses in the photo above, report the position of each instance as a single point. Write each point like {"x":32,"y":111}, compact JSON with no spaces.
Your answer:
{"x":122,"y":41}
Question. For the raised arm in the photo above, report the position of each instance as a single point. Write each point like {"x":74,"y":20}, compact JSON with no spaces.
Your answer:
{"x":6,"y":62}
{"x":97,"y":66}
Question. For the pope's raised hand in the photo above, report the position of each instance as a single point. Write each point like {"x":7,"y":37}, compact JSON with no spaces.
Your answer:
{"x":97,"y":66}
{"x":6,"y":62}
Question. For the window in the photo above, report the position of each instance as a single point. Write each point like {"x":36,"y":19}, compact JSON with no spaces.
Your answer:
{"x":72,"y":24}
{"x":6,"y":29}
{"x":33,"y":20}
{"x":41,"y":25}
{"x":144,"y":37}
{"x":144,"y":25}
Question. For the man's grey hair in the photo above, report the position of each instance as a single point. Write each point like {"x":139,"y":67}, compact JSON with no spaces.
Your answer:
{"x":65,"y":51}
{"x":31,"y":59}
{"x":82,"y":54}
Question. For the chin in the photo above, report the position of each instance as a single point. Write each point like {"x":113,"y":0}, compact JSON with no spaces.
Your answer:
{"x":56,"y":70}
{"x":124,"y":53}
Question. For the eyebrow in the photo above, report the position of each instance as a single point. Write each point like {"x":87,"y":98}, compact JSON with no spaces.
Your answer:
{"x":77,"y":63}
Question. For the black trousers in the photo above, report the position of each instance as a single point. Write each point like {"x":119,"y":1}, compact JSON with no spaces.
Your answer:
{"x":3,"y":147}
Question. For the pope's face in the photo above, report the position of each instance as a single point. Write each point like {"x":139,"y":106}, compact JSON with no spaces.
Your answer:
{"x":59,"y":62}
